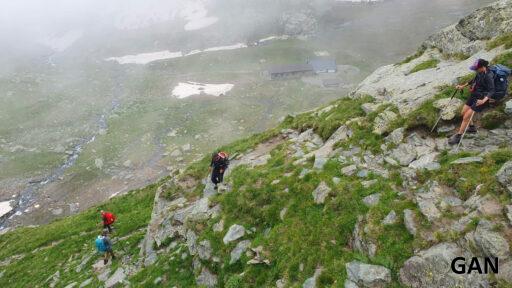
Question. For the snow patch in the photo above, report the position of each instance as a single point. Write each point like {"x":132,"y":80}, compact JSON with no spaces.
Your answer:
{"x":5,"y":207}
{"x":184,"y":90}
{"x":145,"y":58}
{"x":196,"y":16}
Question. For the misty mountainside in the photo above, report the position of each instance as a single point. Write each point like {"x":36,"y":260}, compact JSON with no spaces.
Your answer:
{"x":355,"y":193}
{"x":97,"y":103}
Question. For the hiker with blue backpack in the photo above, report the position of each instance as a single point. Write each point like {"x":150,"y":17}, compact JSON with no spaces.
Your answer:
{"x":104,"y":246}
{"x":490,"y":84}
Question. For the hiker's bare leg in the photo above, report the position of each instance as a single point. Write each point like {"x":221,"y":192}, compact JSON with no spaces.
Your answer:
{"x":465,"y":120}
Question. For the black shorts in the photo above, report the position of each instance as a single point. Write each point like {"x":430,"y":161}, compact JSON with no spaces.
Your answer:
{"x":471,"y":102}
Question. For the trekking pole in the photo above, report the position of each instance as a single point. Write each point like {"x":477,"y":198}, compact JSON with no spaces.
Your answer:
{"x":440,"y":116}
{"x":465,"y":130}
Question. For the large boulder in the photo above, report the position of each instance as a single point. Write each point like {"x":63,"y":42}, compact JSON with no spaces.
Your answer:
{"x":468,"y":36}
{"x":449,"y":107}
{"x":491,"y":243}
{"x":432,"y":268}
{"x":367,"y":275}
{"x":504,"y":175}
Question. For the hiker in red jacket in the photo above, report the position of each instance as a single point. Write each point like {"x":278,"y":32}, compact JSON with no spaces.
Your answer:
{"x":108,"y":219}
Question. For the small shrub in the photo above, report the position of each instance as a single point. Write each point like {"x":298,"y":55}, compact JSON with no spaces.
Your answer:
{"x":432,"y":63}
{"x":414,"y":56}
{"x":493,"y":119}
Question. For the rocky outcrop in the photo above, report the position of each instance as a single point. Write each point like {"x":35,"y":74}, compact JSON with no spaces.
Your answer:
{"x":367,"y":275}
{"x":504,"y":175}
{"x":468,"y":36}
{"x":429,"y":268}
{"x":407,"y":91}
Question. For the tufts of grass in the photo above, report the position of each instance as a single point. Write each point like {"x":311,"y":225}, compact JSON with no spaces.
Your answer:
{"x":326,"y":123}
{"x":414,"y":56}
{"x":503,"y":40}
{"x":503,"y":59}
{"x":465,"y":178}
{"x":493,"y":119}
{"x":429,"y":64}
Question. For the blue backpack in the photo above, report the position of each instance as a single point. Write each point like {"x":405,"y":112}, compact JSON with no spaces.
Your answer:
{"x":501,"y":74}
{"x":100,"y":244}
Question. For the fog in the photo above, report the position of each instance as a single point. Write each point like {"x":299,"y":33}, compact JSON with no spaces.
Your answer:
{"x":100,"y":97}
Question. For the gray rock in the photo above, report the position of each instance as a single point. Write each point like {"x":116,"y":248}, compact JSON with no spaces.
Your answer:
{"x":303,"y":173}
{"x":199,"y":210}
{"x":240,"y":248}
{"x":369,"y":183}
{"x":504,"y":175}
{"x":505,"y":272}
{"x":235,"y":232}
{"x":218,"y":227}
{"x":382,"y":121}
{"x":336,"y":180}
{"x":491,"y":243}
{"x":360,"y":242}
{"x":71,"y":285}
{"x":363,"y":173}
{"x":350,"y":284}
{"x":85,"y":283}
{"x":311,"y":282}
{"x":405,"y":153}
{"x":349,"y":170}
{"x":370,"y":107}
{"x":57,"y":211}
{"x":191,"y":242}
{"x":449,"y":107}
{"x":509,"y":213}
{"x":390,"y":218}
{"x":116,"y":278}
{"x":321,"y":192}
{"x":281,"y":283}
{"x":508,"y":107}
{"x":427,"y":200}
{"x":372,"y":200}
{"x":426,"y":162}
{"x":431,"y":268}
{"x":410,"y":222}
{"x":367,"y":275}
{"x":397,"y":136}
{"x":467,"y":160}
{"x":204,"y":250}
{"x":206,"y":278}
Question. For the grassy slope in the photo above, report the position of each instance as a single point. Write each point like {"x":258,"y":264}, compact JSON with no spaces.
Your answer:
{"x":309,"y":235}
{"x":77,"y":234}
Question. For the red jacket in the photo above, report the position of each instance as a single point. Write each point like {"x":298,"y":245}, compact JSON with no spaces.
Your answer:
{"x":108,"y":218}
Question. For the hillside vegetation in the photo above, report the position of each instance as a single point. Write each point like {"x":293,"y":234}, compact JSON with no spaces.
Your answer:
{"x":358,"y":193}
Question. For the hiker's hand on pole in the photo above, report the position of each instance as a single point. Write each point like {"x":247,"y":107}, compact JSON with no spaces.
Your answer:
{"x":460,"y":86}
{"x":481,"y":101}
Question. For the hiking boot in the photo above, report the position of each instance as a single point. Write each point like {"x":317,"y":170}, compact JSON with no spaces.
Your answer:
{"x":455,"y":139}
{"x":105,"y":261}
{"x":471,"y":129}
{"x":215,"y":187}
